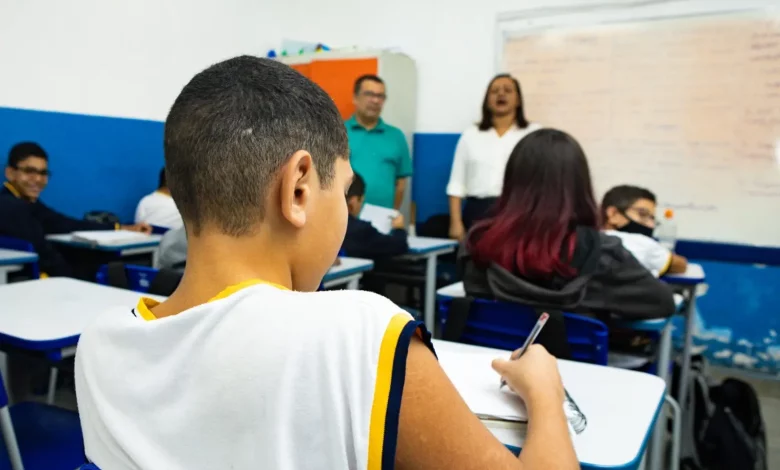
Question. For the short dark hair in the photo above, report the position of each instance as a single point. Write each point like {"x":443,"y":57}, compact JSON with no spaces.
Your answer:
{"x":367,"y":77}
{"x":623,"y":197}
{"x":231,"y":129}
{"x":163,"y":181}
{"x":24,"y":150}
{"x":357,"y":188}
{"x":487,"y":115}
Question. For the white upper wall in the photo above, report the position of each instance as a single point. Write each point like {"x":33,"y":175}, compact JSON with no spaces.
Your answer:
{"x":130,"y":59}
{"x":119,"y":58}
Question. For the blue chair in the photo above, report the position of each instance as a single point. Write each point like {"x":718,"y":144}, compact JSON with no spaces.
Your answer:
{"x":139,"y":278}
{"x":89,"y":466}
{"x":505,"y":325}
{"x":10,"y":243}
{"x":39,"y":436}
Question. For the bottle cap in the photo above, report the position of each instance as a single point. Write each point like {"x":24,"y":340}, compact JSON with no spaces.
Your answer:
{"x":668,"y":214}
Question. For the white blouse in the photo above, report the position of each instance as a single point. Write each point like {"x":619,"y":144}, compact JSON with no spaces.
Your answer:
{"x":480,"y":161}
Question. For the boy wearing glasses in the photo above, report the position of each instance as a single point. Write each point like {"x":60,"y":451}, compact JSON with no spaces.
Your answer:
{"x":27,"y":174}
{"x":628,"y":212}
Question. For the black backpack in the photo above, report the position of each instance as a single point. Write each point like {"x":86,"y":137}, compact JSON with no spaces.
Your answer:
{"x":726,"y":431}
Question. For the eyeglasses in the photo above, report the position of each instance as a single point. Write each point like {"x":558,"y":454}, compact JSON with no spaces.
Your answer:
{"x":29,"y":171}
{"x":642,"y":213}
{"x":371,"y":94}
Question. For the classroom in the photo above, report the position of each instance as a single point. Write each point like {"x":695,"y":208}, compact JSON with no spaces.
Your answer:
{"x":532,"y":218}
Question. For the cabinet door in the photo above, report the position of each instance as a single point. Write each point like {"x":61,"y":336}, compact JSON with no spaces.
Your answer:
{"x":337,"y":78}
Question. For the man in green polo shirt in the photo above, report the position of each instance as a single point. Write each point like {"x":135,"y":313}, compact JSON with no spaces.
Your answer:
{"x":378,"y":151}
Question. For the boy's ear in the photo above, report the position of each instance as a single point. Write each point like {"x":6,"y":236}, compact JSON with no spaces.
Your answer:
{"x":298,"y":178}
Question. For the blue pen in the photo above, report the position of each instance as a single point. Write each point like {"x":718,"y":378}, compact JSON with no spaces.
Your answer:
{"x":517,"y":354}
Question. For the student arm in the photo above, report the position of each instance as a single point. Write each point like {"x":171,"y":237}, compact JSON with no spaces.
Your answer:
{"x":678,"y":265}
{"x":54,"y":222}
{"x":437,"y":430}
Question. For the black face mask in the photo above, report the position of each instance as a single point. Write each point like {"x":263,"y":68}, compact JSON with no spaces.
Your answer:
{"x":636,"y":227}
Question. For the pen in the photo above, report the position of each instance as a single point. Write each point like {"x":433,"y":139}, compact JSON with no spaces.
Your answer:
{"x":517,"y":354}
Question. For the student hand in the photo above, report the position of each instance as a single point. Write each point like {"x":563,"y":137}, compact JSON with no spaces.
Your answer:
{"x":457,"y":231}
{"x":142,"y":227}
{"x":398,"y":222}
{"x":535,"y":374}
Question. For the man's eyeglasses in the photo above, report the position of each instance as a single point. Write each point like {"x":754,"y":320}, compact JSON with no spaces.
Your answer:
{"x":29,"y":171}
{"x":371,"y":94}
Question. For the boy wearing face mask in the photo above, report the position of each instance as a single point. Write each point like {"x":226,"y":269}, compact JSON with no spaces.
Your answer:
{"x":628,"y":212}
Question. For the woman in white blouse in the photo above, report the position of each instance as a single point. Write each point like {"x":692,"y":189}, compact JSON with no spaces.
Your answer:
{"x":482,"y":152}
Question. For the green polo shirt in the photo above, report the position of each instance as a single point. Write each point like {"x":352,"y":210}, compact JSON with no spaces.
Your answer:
{"x":380,"y":156}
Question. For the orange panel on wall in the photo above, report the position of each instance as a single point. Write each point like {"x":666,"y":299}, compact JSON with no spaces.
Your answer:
{"x":304,"y":69}
{"x":337,"y":77}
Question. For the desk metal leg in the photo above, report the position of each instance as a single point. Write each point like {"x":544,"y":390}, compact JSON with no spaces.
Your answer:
{"x":353,"y":284}
{"x":430,"y":293}
{"x":664,"y":360}
{"x":9,"y":436}
{"x":690,"y":319}
{"x":156,"y":259}
{"x":52,"y":385}
{"x":3,"y":276}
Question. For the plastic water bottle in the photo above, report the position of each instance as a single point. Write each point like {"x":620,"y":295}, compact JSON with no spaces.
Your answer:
{"x":666,"y":232}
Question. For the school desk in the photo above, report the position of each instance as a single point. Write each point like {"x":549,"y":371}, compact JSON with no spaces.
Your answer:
{"x":348,"y":273}
{"x":687,"y":282}
{"x":621,"y":406}
{"x":13,"y":260}
{"x":122,"y":249}
{"x":46,"y":316}
{"x":429,"y":249}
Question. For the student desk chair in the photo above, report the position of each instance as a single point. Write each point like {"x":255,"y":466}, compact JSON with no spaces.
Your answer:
{"x":39,"y":436}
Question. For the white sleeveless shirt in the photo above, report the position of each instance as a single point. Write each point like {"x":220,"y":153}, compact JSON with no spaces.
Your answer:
{"x":259,"y":377}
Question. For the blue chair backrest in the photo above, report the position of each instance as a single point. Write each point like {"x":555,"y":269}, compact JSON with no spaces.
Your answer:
{"x":10,"y":243}
{"x":3,"y":393}
{"x":139,"y":278}
{"x":505,"y":325}
{"x":89,"y":466}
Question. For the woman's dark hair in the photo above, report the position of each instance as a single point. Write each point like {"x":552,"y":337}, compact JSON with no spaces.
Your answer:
{"x":487,"y":115}
{"x":547,"y":194}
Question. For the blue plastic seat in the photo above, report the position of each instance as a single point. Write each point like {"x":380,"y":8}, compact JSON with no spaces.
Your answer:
{"x":44,"y":436}
{"x":504,"y":325}
{"x":139,"y":278}
{"x":10,"y":243}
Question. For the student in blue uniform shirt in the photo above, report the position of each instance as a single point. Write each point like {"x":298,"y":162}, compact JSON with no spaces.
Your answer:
{"x":27,"y":174}
{"x":363,"y":240}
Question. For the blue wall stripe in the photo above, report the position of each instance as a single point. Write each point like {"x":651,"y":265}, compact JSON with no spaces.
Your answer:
{"x":97,"y":163}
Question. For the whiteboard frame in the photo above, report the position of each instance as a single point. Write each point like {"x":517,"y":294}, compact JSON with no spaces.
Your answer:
{"x":535,"y":20}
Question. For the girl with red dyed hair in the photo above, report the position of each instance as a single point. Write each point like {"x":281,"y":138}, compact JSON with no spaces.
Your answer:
{"x":541,"y":245}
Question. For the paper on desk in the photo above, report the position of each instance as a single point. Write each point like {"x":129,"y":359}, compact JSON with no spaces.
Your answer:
{"x":477,"y":383}
{"x":109,"y":237}
{"x":380,"y":217}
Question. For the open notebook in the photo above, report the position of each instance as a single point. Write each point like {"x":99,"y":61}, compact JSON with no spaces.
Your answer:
{"x":477,"y":383}
{"x":109,"y":237}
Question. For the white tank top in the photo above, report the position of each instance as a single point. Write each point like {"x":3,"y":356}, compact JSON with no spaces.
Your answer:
{"x":258,"y":378}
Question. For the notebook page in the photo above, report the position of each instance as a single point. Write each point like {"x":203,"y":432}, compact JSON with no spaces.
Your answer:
{"x":109,"y":237}
{"x":380,"y":217}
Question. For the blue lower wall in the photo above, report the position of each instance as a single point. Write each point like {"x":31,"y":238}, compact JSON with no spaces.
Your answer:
{"x":97,"y":163}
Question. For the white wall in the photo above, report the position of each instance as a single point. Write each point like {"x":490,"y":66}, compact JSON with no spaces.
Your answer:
{"x":130,"y":58}
{"x":119,"y":58}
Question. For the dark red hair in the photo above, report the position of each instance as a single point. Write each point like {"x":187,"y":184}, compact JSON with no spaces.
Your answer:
{"x":547,"y":194}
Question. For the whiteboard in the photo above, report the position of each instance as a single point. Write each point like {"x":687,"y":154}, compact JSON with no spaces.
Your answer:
{"x":688,"y":107}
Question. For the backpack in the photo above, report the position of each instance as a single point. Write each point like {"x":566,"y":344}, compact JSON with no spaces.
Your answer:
{"x":101,"y":217}
{"x":723,"y":429}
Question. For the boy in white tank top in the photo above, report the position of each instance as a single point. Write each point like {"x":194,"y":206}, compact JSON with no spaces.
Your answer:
{"x":245,"y":366}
